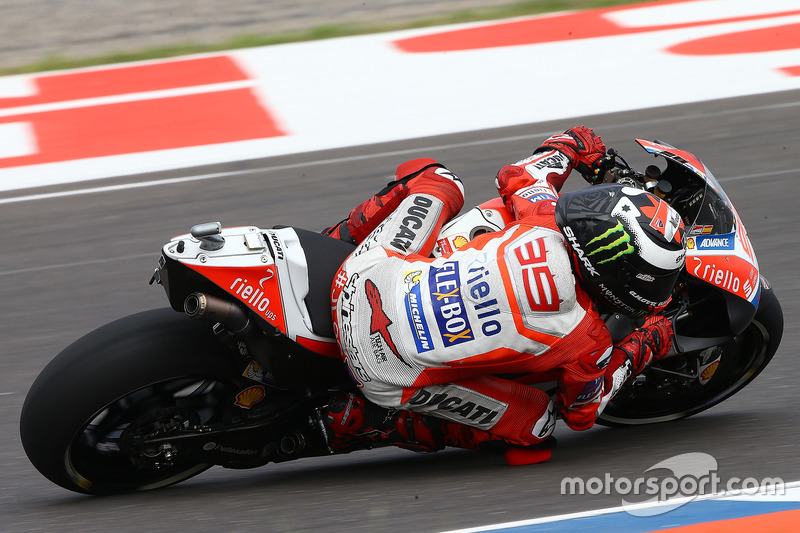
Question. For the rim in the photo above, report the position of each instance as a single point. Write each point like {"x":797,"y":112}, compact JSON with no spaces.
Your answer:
{"x":105,"y":454}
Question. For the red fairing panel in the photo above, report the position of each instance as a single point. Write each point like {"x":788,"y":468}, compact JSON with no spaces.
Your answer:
{"x":257,"y":287}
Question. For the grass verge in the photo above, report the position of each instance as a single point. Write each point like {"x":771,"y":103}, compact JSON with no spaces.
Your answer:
{"x":530,"y":7}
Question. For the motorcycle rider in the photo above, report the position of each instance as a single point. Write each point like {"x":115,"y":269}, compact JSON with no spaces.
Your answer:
{"x":427,"y":338}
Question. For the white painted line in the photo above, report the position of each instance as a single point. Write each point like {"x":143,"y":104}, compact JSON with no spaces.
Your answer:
{"x":535,"y":136}
{"x":304,"y":164}
{"x":702,"y":11}
{"x":218,"y":175}
{"x":17,"y":86}
{"x":792,"y":490}
{"x":125,"y":98}
{"x":62,"y":266}
{"x":17,"y":139}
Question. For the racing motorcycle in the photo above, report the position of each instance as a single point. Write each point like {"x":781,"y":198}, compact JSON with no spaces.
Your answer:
{"x":239,"y":370}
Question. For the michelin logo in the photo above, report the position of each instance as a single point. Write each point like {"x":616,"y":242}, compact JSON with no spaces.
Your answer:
{"x":416,"y":317}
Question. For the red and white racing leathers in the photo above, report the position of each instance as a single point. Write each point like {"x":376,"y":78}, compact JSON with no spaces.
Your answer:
{"x":430,"y":335}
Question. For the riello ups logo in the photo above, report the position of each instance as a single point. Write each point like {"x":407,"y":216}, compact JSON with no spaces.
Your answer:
{"x":610,"y":245}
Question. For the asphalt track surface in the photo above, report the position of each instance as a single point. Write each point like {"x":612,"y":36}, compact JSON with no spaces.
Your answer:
{"x":72,"y":262}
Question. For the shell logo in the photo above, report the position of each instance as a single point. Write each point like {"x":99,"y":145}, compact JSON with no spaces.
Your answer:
{"x":709,"y":371}
{"x":460,"y":241}
{"x":690,"y":243}
{"x":250,"y":396}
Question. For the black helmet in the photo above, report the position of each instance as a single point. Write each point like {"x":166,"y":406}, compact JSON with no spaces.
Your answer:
{"x":627,"y":245}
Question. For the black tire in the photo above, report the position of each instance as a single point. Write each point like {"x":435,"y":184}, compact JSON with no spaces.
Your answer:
{"x":76,"y":411}
{"x":742,"y":360}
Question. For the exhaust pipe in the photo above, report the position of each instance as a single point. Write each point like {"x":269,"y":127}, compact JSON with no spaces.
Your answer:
{"x":291,"y":444}
{"x":201,"y":306}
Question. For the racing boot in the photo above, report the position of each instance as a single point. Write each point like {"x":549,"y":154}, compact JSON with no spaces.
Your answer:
{"x":461,"y":436}
{"x":429,"y":434}
{"x":357,"y":423}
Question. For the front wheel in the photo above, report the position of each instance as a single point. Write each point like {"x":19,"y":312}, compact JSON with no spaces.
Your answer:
{"x":147,"y":373}
{"x":668,"y":391}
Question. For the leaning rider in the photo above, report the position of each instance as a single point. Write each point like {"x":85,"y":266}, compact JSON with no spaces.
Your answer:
{"x":427,"y":339}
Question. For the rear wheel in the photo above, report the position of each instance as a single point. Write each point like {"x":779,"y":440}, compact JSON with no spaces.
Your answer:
{"x":671,"y":390}
{"x":148,"y":374}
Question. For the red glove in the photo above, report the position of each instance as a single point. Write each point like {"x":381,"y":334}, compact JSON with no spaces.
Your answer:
{"x":651,"y":341}
{"x":580,"y":144}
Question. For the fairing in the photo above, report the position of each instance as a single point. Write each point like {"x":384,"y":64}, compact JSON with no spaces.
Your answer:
{"x":266,"y":270}
{"x":718,"y":248}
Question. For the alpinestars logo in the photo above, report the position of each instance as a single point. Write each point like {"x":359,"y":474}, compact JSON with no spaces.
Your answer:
{"x":614,"y":241}
{"x":380,"y":321}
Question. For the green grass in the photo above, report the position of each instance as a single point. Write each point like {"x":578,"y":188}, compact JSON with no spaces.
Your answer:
{"x":530,"y":7}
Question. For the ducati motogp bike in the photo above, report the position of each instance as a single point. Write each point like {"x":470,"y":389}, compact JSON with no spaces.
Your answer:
{"x":239,"y":370}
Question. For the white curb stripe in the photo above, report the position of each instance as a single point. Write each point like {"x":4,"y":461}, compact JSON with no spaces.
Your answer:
{"x":790,"y":488}
{"x":126,"y":98}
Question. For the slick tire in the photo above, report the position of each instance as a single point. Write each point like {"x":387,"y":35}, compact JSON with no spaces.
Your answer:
{"x":93,"y":391}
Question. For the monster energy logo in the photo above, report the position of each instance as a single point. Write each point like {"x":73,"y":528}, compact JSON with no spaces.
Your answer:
{"x":620,"y":243}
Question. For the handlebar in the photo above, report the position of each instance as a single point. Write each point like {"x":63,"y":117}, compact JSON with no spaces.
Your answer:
{"x":612,"y":168}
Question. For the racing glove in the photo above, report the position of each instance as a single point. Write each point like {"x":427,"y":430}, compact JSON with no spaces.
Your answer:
{"x":651,"y":341}
{"x":581,"y":145}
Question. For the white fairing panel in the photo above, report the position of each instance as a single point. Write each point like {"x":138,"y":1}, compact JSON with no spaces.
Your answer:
{"x":265,"y":270}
